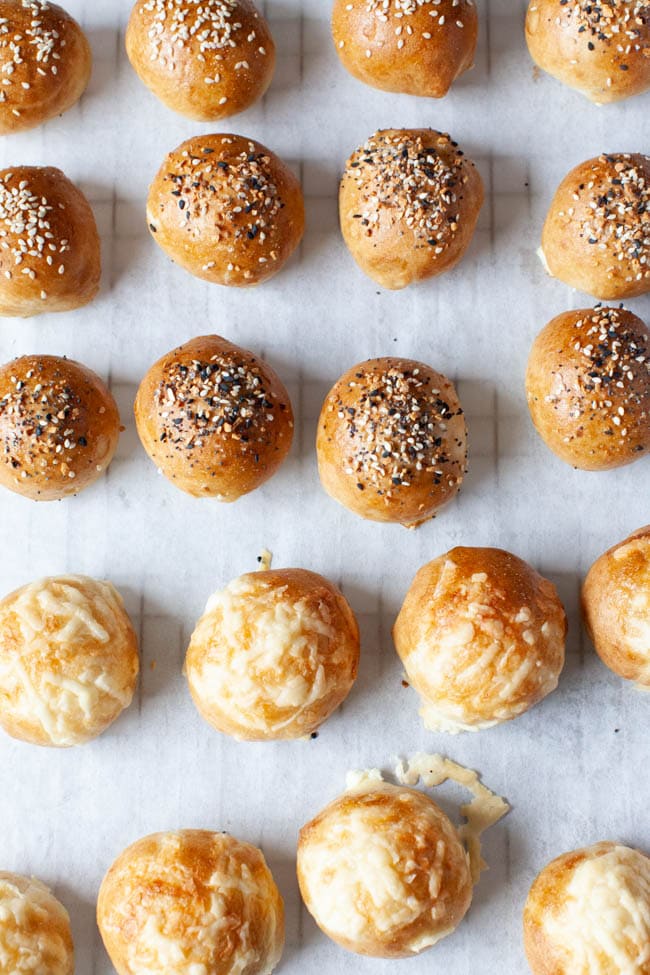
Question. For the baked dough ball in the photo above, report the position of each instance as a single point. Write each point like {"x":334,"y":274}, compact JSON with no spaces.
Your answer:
{"x":226,"y":209}
{"x":599,"y":48}
{"x":274,"y":654}
{"x":59,"y":427}
{"x":392,"y":441}
{"x":45,"y":63}
{"x":417,"y":47}
{"x":588,"y":387}
{"x":383,"y":872}
{"x":597,"y":233}
{"x":35,"y":935}
{"x":49,"y":246}
{"x":68,"y":660}
{"x":206,"y":59}
{"x":191,"y":902}
{"x":481,"y":636}
{"x":214,"y":418}
{"x":588,"y":913}
{"x":616,"y":607}
{"x":409,"y":202}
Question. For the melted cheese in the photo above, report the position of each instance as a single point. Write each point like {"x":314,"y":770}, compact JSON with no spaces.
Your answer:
{"x":604,"y":923}
{"x":485,"y":809}
{"x":34,"y":929}
{"x":67,"y":663}
{"x":260,"y":650}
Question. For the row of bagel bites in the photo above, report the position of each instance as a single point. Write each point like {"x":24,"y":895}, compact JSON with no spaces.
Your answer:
{"x":391,"y":441}
{"x":480,"y":633}
{"x":382,"y":869}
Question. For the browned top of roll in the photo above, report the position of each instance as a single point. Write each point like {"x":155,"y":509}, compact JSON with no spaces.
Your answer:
{"x":206,"y":59}
{"x":45,"y":61}
{"x":59,"y":426}
{"x":588,"y":385}
{"x":49,"y":245}
{"x":597,"y":233}
{"x":227,"y":209}
{"x":215,"y":418}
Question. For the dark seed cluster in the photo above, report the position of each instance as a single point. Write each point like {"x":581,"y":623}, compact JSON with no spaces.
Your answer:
{"x":397,"y":430}
{"x":219,"y":399}
{"x":415,"y":182}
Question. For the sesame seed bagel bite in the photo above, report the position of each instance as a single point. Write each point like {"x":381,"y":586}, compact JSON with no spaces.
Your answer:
{"x":588,"y":387}
{"x":416,"y":47}
{"x":392,"y":441}
{"x":45,"y":60}
{"x":214,"y":418}
{"x":226,"y":209}
{"x":59,"y":427}
{"x":481,"y":635}
{"x":206,"y":59}
{"x":192,"y":902}
{"x":273,"y":656}
{"x":596,"y":237}
{"x":599,"y":48}
{"x":616,"y":607}
{"x":409,"y":201}
{"x":35,"y":933}
{"x":49,"y":245}
{"x":588,"y":913}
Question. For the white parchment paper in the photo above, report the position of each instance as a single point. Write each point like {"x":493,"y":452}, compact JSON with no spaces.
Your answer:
{"x":575,"y":768}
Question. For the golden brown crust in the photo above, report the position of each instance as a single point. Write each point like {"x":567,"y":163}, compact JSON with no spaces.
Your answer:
{"x":409,"y":201}
{"x":49,"y":246}
{"x":35,"y":935}
{"x":45,"y":60}
{"x":207,"y":59}
{"x":392,"y":441}
{"x":226,"y":209}
{"x":481,"y":636}
{"x":616,"y":607}
{"x":587,"y":913}
{"x":383,"y":872}
{"x":601,"y":49}
{"x":417,"y":47}
{"x":190,"y":901}
{"x":273,"y":655}
{"x":596,"y":237}
{"x":214,"y":418}
{"x":68,"y":660}
{"x":588,"y":387}
{"x":59,"y":427}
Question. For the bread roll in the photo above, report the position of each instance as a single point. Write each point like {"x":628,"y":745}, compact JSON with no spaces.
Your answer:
{"x":191,"y":902}
{"x":601,"y":49}
{"x":392,"y":441}
{"x":481,"y":636}
{"x":616,"y":607}
{"x":226,"y":209}
{"x":59,"y":427}
{"x":49,"y":245}
{"x":588,"y":387}
{"x":68,"y":662}
{"x":383,"y":872}
{"x":274,"y":654}
{"x":46,"y":63}
{"x":35,"y":935}
{"x":409,"y":202}
{"x":597,"y":233}
{"x":206,"y":59}
{"x":417,"y":47}
{"x":214,"y":418}
{"x":588,"y":913}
